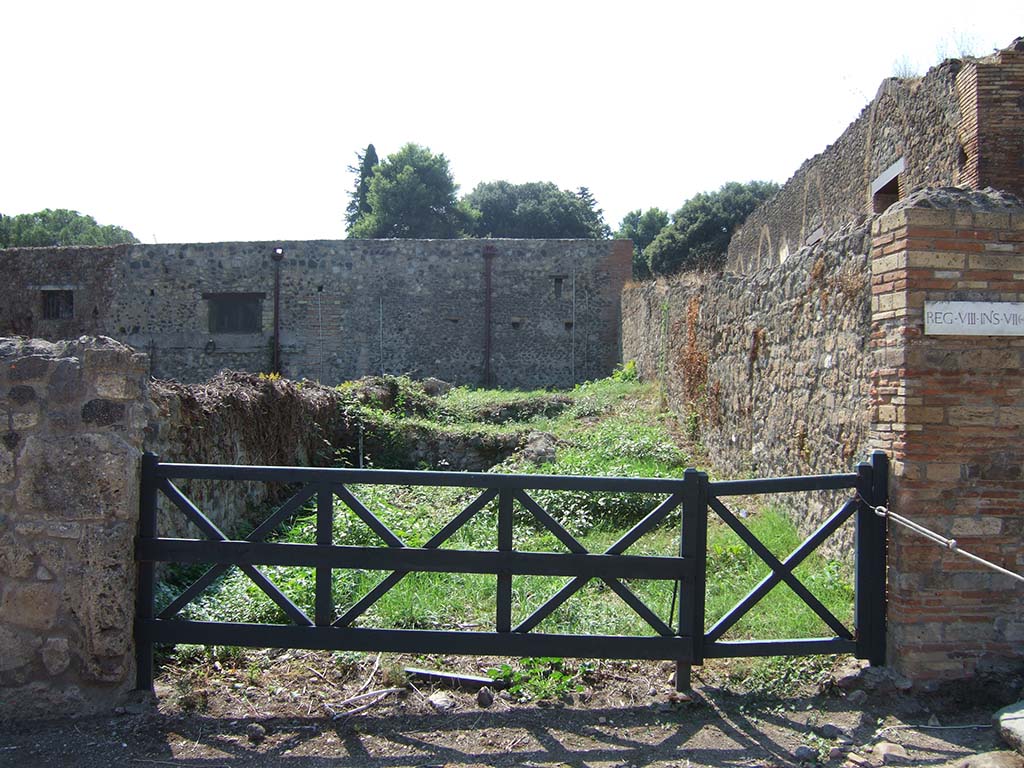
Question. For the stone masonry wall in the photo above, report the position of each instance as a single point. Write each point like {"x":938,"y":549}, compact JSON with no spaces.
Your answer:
{"x":960,"y":124}
{"x":73,"y":416}
{"x":347,"y":309}
{"x":772,"y":367}
{"x":949,"y":410}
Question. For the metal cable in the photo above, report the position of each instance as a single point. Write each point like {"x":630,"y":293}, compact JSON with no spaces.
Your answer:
{"x":950,"y":544}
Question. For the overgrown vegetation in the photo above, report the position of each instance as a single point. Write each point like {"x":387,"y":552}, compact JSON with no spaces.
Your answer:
{"x":613,"y":427}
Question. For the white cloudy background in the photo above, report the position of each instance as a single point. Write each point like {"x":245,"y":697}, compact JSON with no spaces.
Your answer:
{"x":208,"y":121}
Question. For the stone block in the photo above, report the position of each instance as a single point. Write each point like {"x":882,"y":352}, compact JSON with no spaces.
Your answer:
{"x":929,"y":217}
{"x":32,"y":605}
{"x":56,"y":655}
{"x":117,"y":386}
{"x":17,"y":649}
{"x":30,"y":368}
{"x":939,"y":260}
{"x":994,"y":262}
{"x":943,"y":472}
{"x":968,"y":415}
{"x":82,"y":476}
{"x":976,"y":525}
{"x":7,"y":473}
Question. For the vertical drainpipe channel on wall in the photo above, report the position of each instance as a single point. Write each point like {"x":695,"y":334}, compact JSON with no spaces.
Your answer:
{"x":278,"y":255}
{"x":572,"y":334}
{"x":489,"y":253}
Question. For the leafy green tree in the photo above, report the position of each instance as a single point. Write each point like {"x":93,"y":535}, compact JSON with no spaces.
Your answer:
{"x":359,"y":202}
{"x":698,"y":236}
{"x":642,"y":227}
{"x":412,"y":194}
{"x":48,"y":228}
{"x":536,"y":209}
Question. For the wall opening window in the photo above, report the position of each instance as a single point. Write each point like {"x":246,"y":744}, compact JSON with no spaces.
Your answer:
{"x":885,"y":190}
{"x":58,"y":305}
{"x":559,"y":282}
{"x":235,"y":312}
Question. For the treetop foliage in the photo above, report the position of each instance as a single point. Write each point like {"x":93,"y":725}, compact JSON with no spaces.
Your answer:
{"x":412,"y":194}
{"x":536,"y":209}
{"x":699,"y":234}
{"x":50,"y":228}
{"x":359,"y":202}
{"x":642,"y":227}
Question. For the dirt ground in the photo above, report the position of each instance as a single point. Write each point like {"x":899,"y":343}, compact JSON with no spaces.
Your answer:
{"x":305,"y":709}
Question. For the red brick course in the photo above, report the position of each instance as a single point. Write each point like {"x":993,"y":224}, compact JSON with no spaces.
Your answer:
{"x":949,"y":410}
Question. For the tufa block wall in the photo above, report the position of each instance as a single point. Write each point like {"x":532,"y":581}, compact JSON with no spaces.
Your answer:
{"x":512,"y":313}
{"x":73,"y":422}
{"x":949,"y":410}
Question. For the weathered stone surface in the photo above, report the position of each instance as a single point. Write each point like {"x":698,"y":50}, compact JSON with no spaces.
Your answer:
{"x":102,"y":412}
{"x":83,"y":476}
{"x":394,"y":306}
{"x":1010,"y":722}
{"x":68,"y":504}
{"x":891,"y":754}
{"x":30,"y":604}
{"x":17,"y":649}
{"x":21,"y":394}
{"x":56,"y":656}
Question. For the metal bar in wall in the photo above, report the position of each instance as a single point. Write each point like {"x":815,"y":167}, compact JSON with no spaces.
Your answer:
{"x":324,"y":597}
{"x":692,"y":548}
{"x":869,"y":577}
{"x":503,"y":608}
{"x":146,"y":574}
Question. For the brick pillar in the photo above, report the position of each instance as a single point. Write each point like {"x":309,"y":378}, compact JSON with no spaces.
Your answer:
{"x":949,"y":409}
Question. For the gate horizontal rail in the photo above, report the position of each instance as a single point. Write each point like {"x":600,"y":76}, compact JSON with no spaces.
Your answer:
{"x":691,"y":499}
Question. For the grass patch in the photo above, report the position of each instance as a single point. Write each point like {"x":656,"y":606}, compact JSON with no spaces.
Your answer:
{"x":613,"y":427}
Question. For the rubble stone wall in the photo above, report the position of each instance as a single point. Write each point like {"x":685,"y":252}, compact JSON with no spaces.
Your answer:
{"x":770,"y":370}
{"x":513,"y":313}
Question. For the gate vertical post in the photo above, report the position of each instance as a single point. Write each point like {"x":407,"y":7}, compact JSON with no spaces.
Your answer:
{"x":693,"y":542}
{"x":324,"y":600}
{"x":870,"y":577}
{"x":503,"y":609}
{"x":146,"y":577}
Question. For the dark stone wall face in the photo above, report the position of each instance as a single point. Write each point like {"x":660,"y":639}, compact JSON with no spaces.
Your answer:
{"x":347,"y":308}
{"x":771,"y":370}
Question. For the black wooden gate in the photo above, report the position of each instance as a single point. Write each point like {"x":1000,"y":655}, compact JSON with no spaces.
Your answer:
{"x":687,"y":502}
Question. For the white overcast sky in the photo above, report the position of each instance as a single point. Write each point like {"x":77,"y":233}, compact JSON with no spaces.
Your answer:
{"x":210,"y":121}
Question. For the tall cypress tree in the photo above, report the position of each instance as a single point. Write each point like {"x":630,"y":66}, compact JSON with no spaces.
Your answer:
{"x":359,"y":203}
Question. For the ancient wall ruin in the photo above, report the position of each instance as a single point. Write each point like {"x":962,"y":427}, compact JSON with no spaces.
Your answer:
{"x":960,"y":124}
{"x":769,"y":370}
{"x":512,"y":313}
{"x":948,"y":409}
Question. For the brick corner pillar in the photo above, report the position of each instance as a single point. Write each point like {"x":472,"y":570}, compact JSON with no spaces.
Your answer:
{"x":948,"y":407}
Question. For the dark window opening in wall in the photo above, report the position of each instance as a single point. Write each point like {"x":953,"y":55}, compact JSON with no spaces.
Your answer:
{"x":58,"y":305}
{"x":235,"y":312}
{"x":559,"y":282}
{"x":568,"y":325}
{"x":517,"y":323}
{"x":885,"y":190}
